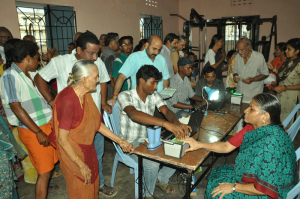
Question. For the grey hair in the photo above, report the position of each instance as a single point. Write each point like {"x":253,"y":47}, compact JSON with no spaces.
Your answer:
{"x":248,"y":41}
{"x":182,"y":38}
{"x":30,"y":36}
{"x":82,"y":68}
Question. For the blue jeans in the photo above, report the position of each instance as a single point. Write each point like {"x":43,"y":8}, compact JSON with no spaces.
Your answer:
{"x":151,"y":173}
{"x":99,"y":147}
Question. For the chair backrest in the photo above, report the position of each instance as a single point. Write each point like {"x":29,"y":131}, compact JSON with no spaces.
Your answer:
{"x":112,"y":121}
{"x":294,"y":128}
{"x":296,"y":190}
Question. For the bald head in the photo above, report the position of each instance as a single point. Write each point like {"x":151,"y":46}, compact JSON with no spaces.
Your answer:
{"x":154,"y":38}
{"x":5,"y":35}
{"x":153,"y":46}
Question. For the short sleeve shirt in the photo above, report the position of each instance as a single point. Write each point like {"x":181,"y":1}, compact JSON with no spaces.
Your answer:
{"x":256,"y":65}
{"x":60,"y":67}
{"x":15,"y":86}
{"x":130,"y":130}
{"x":183,"y":92}
{"x":237,"y":140}
{"x":118,"y":63}
{"x":138,"y":59}
{"x":210,"y":57}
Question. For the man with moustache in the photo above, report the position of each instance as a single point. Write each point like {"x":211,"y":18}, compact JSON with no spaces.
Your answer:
{"x":250,"y":69}
{"x":149,"y":56}
{"x":170,"y":45}
{"x":87,"y":47}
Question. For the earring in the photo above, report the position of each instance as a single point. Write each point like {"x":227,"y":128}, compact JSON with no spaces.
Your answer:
{"x":263,"y":121}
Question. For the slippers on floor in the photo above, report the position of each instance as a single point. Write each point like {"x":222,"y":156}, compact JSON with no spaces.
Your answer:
{"x":107,"y":191}
{"x":56,"y":174}
{"x":53,"y":188}
{"x":164,"y":187}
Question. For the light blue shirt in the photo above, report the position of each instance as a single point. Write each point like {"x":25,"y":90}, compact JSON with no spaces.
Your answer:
{"x":138,"y":59}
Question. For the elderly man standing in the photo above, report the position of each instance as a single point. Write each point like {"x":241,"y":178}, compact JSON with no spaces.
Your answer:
{"x":149,"y":56}
{"x":108,"y":56}
{"x":170,"y":45}
{"x":5,"y":35}
{"x":250,"y":69}
{"x":87,"y":47}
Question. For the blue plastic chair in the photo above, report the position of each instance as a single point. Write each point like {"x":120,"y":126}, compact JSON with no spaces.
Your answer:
{"x":296,"y":190}
{"x":294,"y":128}
{"x":112,"y":121}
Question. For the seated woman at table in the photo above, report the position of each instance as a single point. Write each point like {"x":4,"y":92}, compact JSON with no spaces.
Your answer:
{"x":265,"y":165}
{"x":76,"y":120}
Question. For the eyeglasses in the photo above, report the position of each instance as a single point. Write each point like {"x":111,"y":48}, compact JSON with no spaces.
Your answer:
{"x":126,"y":45}
{"x":7,"y":37}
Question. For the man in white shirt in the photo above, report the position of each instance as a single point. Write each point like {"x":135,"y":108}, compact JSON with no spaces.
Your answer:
{"x":170,"y":45}
{"x":5,"y":35}
{"x":87,"y":47}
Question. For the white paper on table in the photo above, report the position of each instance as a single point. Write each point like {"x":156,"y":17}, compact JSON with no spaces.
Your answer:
{"x":271,"y":78}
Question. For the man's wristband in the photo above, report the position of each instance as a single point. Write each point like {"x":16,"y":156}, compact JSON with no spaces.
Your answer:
{"x":115,"y":95}
{"x":38,"y":131}
{"x":50,"y":101}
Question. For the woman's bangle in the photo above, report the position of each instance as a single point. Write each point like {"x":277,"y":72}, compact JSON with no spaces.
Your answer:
{"x":75,"y":159}
{"x":50,"y":101}
{"x":38,"y":131}
{"x":285,"y":88}
{"x":115,"y":95}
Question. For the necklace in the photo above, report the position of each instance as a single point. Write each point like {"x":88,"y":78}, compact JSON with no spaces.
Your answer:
{"x":78,"y":97}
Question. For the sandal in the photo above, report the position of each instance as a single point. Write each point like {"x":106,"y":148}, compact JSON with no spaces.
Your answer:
{"x":56,"y":174}
{"x":107,"y":191}
{"x":164,"y":187}
{"x":53,"y":188}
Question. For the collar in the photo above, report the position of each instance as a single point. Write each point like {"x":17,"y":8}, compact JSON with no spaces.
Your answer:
{"x":123,"y":55}
{"x":144,"y":54}
{"x":164,"y":46}
{"x":109,"y":50}
{"x":177,"y":76}
{"x":135,"y":94}
{"x":16,"y":68}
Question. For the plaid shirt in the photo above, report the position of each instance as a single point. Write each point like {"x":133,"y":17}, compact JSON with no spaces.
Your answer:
{"x":15,"y":86}
{"x":130,"y":130}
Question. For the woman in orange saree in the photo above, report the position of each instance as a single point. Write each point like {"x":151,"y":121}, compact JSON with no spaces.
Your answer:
{"x":76,"y":121}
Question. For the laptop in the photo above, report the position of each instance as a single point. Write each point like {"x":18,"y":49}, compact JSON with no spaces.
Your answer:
{"x":194,"y":122}
{"x":216,"y":106}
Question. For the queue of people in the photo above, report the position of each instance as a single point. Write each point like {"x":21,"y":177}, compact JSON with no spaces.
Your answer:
{"x":68,"y":127}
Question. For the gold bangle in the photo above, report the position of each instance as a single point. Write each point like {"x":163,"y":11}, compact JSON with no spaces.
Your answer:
{"x":75,"y":159}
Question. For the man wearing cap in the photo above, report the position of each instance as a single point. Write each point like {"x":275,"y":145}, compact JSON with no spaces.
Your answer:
{"x":183,"y":87}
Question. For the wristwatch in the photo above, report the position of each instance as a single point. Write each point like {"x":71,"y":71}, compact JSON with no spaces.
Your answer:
{"x":233,"y":188}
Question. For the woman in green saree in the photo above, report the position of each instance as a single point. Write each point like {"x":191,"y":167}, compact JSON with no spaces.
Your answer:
{"x":265,"y":165}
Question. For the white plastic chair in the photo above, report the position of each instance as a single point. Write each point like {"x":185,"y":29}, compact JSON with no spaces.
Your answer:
{"x":112,"y":121}
{"x":296,"y":190}
{"x":294,"y":128}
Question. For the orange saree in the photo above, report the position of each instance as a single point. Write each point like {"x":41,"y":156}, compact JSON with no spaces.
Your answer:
{"x":81,"y":138}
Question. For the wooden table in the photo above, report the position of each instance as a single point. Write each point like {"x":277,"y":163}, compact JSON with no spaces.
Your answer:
{"x":217,"y":127}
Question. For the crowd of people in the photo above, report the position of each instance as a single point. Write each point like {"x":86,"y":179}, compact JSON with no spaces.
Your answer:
{"x":66,"y":125}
